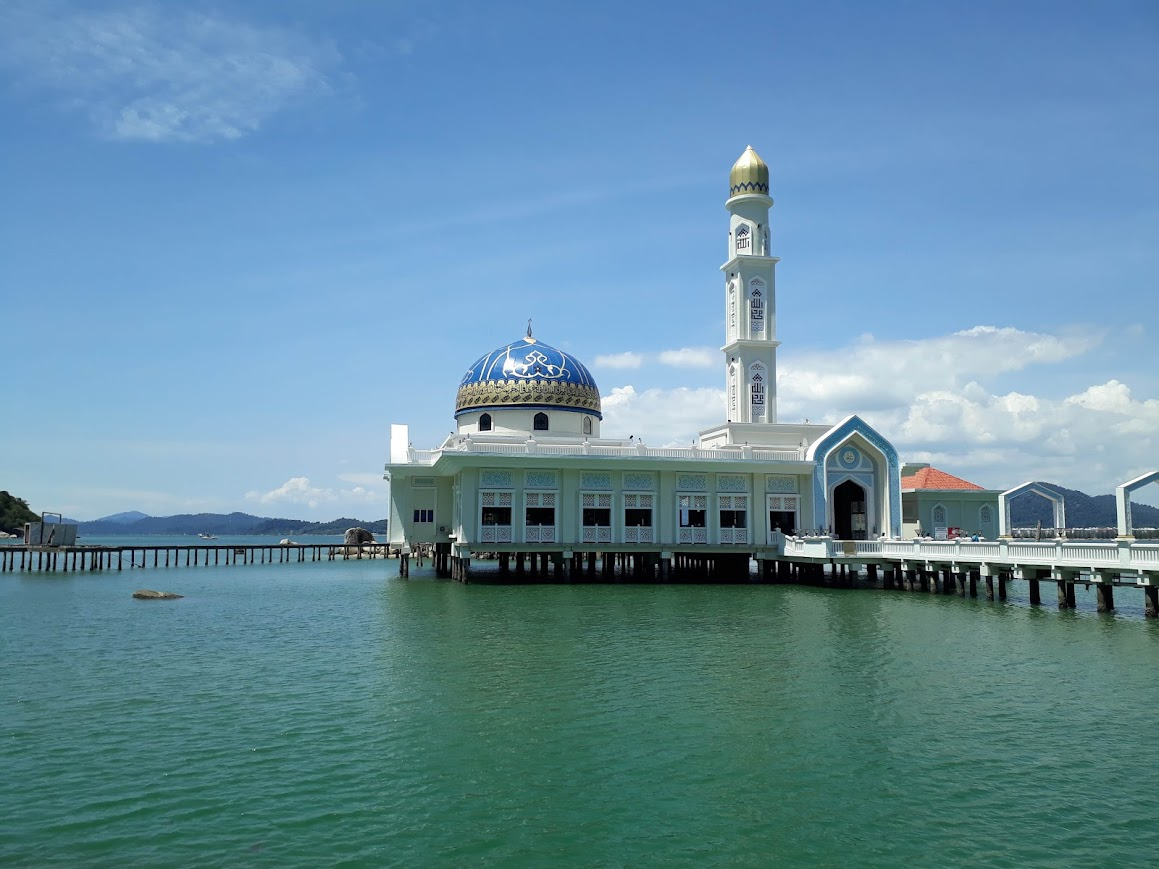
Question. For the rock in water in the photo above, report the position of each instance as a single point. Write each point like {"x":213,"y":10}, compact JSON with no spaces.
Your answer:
{"x":286,"y":541}
{"x":148,"y":594}
{"x":356,"y":536}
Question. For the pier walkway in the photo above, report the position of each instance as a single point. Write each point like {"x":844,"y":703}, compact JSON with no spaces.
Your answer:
{"x":960,"y":564}
{"x":77,"y":558}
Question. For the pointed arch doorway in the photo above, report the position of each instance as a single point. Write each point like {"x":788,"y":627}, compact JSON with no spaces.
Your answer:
{"x":849,"y":511}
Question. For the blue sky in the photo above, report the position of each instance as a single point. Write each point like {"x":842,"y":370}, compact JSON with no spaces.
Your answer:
{"x":238,"y":240}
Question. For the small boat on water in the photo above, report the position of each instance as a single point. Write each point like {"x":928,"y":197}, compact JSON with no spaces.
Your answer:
{"x":204,"y":536}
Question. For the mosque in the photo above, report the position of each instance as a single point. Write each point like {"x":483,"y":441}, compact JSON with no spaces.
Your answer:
{"x":528,"y":475}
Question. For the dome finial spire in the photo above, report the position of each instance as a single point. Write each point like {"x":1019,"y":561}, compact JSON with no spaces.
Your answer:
{"x":750,"y":174}
{"x":529,"y":328}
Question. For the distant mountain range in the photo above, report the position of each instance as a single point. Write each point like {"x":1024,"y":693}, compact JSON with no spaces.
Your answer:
{"x":1082,"y":511}
{"x":136,"y":524}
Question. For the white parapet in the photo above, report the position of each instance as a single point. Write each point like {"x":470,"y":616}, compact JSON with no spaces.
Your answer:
{"x":399,"y":443}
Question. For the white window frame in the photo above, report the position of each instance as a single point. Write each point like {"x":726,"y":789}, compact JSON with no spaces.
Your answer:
{"x":497,"y":498}
{"x":757,"y":369}
{"x":782,"y":503}
{"x":598,"y":501}
{"x":696,"y":501}
{"x":639,"y":533}
{"x":734,"y":501}
{"x":758,"y":307}
{"x":541,"y":533}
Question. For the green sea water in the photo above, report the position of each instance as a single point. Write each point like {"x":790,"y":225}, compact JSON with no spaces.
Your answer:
{"x":330,"y":714}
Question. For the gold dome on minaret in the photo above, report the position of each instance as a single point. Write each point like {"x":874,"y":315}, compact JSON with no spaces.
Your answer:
{"x":750,"y":174}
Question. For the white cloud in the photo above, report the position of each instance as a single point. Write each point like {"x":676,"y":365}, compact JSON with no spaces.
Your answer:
{"x":161,"y":73}
{"x":931,"y":399}
{"x":662,"y":417}
{"x":619,"y":360}
{"x":882,"y":374}
{"x":296,"y":490}
{"x":299,"y":490}
{"x":691,"y":357}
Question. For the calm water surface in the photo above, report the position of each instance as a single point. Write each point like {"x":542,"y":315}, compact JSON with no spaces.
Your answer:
{"x":329,"y":714}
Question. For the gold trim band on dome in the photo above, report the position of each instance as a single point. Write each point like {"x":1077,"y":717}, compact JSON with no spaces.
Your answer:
{"x":489,"y":393}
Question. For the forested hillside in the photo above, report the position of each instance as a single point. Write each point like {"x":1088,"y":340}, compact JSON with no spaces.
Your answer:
{"x":1082,"y":510}
{"x":14,"y":512}
{"x":222,"y":524}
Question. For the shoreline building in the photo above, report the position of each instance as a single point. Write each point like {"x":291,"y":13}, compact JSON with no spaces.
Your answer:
{"x":944,"y":506}
{"x":529,"y":474}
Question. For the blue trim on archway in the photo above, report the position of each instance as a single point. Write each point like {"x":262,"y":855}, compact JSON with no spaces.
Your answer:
{"x":833,"y":438}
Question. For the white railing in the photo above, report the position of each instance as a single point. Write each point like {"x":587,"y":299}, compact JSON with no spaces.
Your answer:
{"x":597,"y":534}
{"x":531,"y":447}
{"x":539,"y":534}
{"x":779,"y":455}
{"x":1090,"y":553}
{"x":496,"y":534}
{"x":1042,"y":553}
{"x":1144,"y":554}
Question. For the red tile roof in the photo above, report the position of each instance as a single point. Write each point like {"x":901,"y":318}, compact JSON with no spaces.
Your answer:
{"x":932,"y":478}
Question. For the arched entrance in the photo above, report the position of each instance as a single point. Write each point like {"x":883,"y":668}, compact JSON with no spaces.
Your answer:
{"x":849,"y":511}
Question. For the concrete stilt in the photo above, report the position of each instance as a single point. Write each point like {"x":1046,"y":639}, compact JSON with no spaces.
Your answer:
{"x":1002,"y":586}
{"x":1105,"y":593}
{"x":1151,"y":601}
{"x":1062,"y":601}
{"x":961,"y":583}
{"x":1070,"y":601}
{"x":1035,"y":593}
{"x":974,"y":577}
{"x":989,"y":588}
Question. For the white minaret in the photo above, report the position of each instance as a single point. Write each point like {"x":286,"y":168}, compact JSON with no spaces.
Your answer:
{"x":750,"y":310}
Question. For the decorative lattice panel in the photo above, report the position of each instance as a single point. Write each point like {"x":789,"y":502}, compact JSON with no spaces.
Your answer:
{"x":637,"y":535}
{"x":595,"y":481}
{"x":732,"y":483}
{"x":495,"y":479}
{"x":540,"y":479}
{"x":539,"y":534}
{"x":639,"y":480}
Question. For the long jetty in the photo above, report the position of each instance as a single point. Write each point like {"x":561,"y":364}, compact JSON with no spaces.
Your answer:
{"x":99,"y":558}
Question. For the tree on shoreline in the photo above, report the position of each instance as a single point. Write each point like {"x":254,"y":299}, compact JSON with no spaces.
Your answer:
{"x":14,"y":512}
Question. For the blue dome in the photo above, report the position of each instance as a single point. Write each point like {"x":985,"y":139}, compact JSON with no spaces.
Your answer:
{"x":528,"y":373}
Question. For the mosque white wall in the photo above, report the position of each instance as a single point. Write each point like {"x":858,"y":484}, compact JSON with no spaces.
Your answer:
{"x":521,"y":420}
{"x":687,"y":506}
